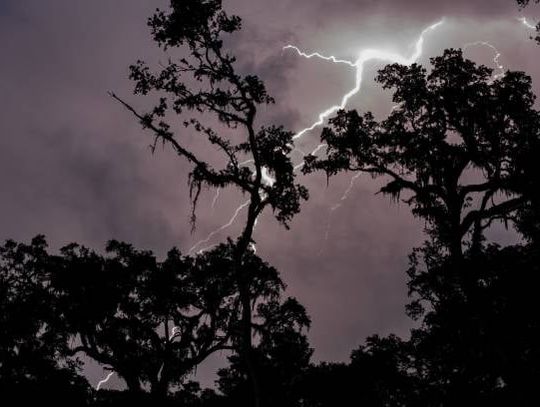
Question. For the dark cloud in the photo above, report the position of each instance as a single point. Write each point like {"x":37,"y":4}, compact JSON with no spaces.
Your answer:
{"x":75,"y":166}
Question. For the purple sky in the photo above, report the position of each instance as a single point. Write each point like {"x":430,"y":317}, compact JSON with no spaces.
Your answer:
{"x":76,"y":167}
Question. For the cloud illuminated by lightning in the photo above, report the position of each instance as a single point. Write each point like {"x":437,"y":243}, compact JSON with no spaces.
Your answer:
{"x":526,"y":23}
{"x":364,"y":57}
{"x":320,"y":56}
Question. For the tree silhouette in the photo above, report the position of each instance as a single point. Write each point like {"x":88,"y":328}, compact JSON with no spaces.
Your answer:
{"x":34,"y":362}
{"x":206,"y":83}
{"x":376,"y":376}
{"x":283,"y":356}
{"x":451,"y":145}
{"x":460,"y":147}
{"x":154,"y":322}
{"x":478,"y":342}
{"x":150,"y":322}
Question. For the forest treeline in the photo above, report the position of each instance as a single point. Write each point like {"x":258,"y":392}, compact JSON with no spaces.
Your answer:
{"x":461,"y":148}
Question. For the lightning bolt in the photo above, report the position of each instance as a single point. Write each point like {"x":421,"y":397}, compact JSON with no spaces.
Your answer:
{"x":526,"y":23}
{"x":216,"y":197}
{"x":320,"y":56}
{"x":215,"y":232}
{"x":496,"y":58}
{"x":313,"y":152}
{"x":336,"y":206}
{"x":174,"y":331}
{"x":364,"y":57}
{"x":102,"y":382}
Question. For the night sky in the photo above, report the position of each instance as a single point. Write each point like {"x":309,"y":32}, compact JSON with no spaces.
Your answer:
{"x":76,"y":167}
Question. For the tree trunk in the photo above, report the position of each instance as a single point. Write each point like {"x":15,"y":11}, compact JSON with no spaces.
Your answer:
{"x":160,"y":384}
{"x":244,"y":282}
{"x":132,"y":382}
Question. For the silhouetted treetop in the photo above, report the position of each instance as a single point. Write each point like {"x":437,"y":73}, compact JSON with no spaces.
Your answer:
{"x":205,"y":81}
{"x":34,"y":350}
{"x":192,"y":22}
{"x":452,"y":143}
{"x":153,"y":322}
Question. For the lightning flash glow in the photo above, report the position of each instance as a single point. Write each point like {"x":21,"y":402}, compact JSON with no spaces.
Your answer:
{"x":364,"y":57}
{"x":102,"y":382}
{"x":497,"y":64}
{"x":526,"y":23}
{"x":215,"y":232}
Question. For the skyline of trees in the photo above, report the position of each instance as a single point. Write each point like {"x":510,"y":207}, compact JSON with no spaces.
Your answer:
{"x":460,"y":148}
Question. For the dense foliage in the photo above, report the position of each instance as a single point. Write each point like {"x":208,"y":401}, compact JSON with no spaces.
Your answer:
{"x":460,"y":148}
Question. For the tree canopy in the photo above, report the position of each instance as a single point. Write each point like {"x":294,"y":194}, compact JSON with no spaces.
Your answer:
{"x":211,"y":98}
{"x":455,"y":145}
{"x":460,"y":148}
